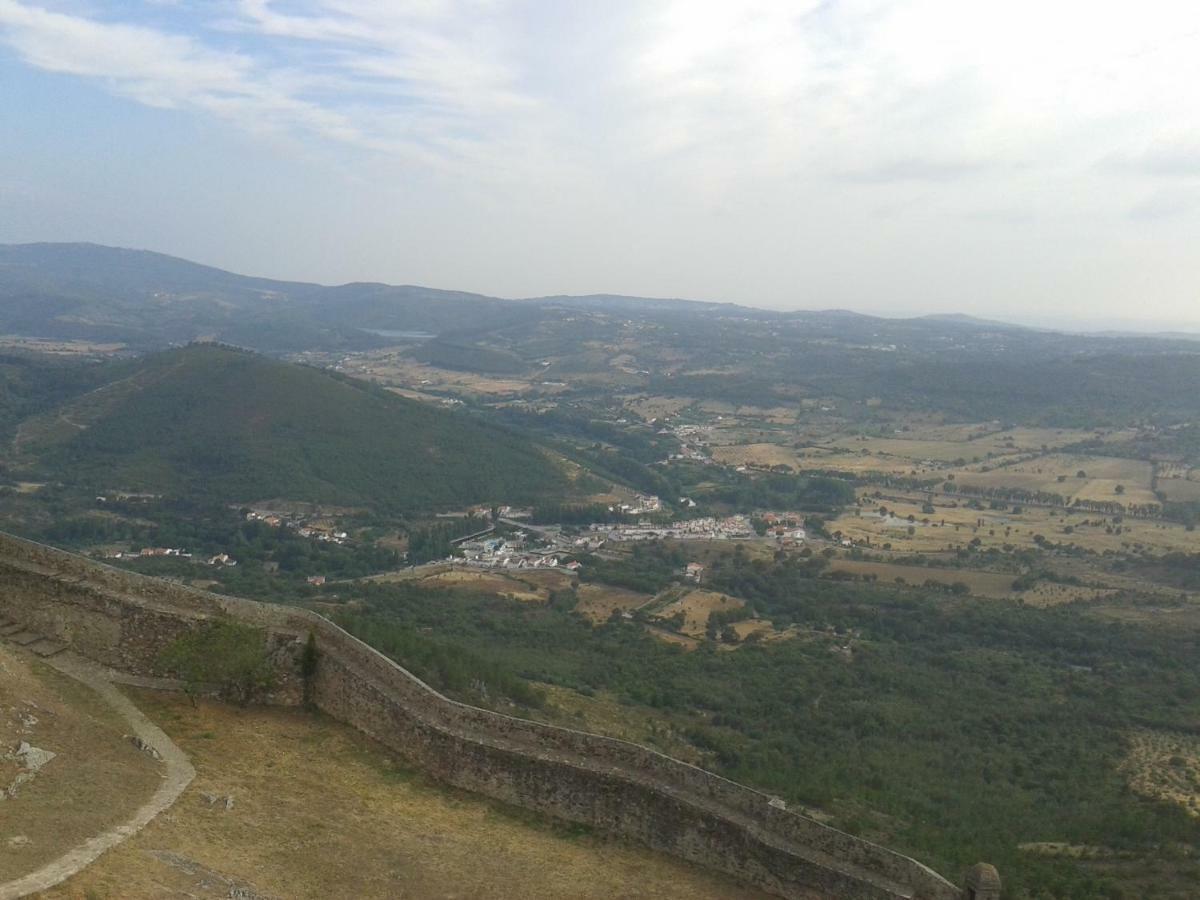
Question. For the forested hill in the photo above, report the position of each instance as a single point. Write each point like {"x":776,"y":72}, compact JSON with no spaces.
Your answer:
{"x":214,"y":423}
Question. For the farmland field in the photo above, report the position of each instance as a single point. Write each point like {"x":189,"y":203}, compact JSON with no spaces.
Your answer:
{"x":949,"y":443}
{"x":859,"y":464}
{"x":760,"y":455}
{"x":1060,"y":473}
{"x":597,"y":602}
{"x":1181,"y":490}
{"x":953,"y":524}
{"x":984,"y":584}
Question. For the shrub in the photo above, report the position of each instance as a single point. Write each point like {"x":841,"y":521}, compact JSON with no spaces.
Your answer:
{"x":226,"y":655}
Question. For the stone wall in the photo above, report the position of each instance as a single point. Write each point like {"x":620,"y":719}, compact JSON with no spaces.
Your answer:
{"x":125,"y":621}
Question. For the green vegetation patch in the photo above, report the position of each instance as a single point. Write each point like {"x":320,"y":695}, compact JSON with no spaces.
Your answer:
{"x":211,"y":422}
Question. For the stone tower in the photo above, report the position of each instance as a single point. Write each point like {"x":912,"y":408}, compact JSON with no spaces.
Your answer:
{"x":983,"y":883}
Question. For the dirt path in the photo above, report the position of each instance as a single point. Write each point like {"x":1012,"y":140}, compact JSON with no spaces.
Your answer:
{"x":179,"y":774}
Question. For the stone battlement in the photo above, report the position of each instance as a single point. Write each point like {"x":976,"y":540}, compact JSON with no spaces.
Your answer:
{"x":125,"y":620}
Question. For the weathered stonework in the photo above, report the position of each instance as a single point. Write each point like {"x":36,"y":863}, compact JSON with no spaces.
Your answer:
{"x":125,"y":621}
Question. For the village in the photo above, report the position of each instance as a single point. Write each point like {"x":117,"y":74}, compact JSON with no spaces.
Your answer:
{"x":318,"y":529}
{"x":729,"y":528}
{"x":219,"y":559}
{"x":553,"y":547}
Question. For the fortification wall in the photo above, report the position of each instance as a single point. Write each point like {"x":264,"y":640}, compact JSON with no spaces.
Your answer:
{"x":126,"y":620}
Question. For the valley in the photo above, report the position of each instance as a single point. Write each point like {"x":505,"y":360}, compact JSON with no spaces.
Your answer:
{"x":934,"y":582}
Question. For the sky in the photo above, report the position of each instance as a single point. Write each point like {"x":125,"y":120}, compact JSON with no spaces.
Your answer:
{"x":1029,"y":161}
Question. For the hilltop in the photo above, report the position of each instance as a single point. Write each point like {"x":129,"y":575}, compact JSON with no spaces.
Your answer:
{"x":208,"y":421}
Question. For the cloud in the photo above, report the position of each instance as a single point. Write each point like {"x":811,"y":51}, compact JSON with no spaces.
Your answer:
{"x":371,"y":79}
{"x":164,"y":70}
{"x":707,"y":94}
{"x":1163,"y":159}
{"x":918,"y":170}
{"x":1165,"y":205}
{"x":768,"y":143}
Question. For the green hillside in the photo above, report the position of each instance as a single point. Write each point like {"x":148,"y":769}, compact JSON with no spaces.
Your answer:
{"x":221,"y":424}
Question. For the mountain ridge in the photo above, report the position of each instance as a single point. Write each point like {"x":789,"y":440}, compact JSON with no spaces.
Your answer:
{"x":149,"y":300}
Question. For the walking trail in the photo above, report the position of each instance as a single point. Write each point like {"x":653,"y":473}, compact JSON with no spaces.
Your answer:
{"x":179,"y":774}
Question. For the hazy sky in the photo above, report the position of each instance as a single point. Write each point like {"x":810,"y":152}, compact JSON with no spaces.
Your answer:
{"x":1023,"y":159}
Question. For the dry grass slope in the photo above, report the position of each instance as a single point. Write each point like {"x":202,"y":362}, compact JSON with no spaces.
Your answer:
{"x":95,"y":780}
{"x":319,"y":811}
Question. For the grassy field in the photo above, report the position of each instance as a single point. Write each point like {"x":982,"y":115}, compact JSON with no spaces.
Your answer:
{"x":696,"y":606}
{"x":1059,"y":473}
{"x":489,"y":582}
{"x":655,"y":407}
{"x":387,"y":367}
{"x":95,"y":781}
{"x":859,"y":463}
{"x":530,"y":586}
{"x":997,"y":585}
{"x":320,"y":811}
{"x":775,"y":415}
{"x":597,"y":602}
{"x":948,"y":443}
{"x":984,"y":584}
{"x":760,"y":455}
{"x":1181,"y":490}
{"x":750,"y":627}
{"x":915,"y":451}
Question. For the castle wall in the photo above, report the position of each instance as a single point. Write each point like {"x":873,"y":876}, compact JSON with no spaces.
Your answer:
{"x":126,"y":620}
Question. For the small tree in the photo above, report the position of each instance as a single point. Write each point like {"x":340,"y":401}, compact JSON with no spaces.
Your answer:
{"x":227,"y":655}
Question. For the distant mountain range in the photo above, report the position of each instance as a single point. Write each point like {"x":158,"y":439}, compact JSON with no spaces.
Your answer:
{"x":601,"y":344}
{"x":150,"y":300}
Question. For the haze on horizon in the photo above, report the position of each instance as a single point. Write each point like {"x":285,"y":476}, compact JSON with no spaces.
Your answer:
{"x":1027,"y":162}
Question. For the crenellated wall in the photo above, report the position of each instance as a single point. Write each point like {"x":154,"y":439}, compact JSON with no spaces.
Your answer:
{"x":125,"y":621}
